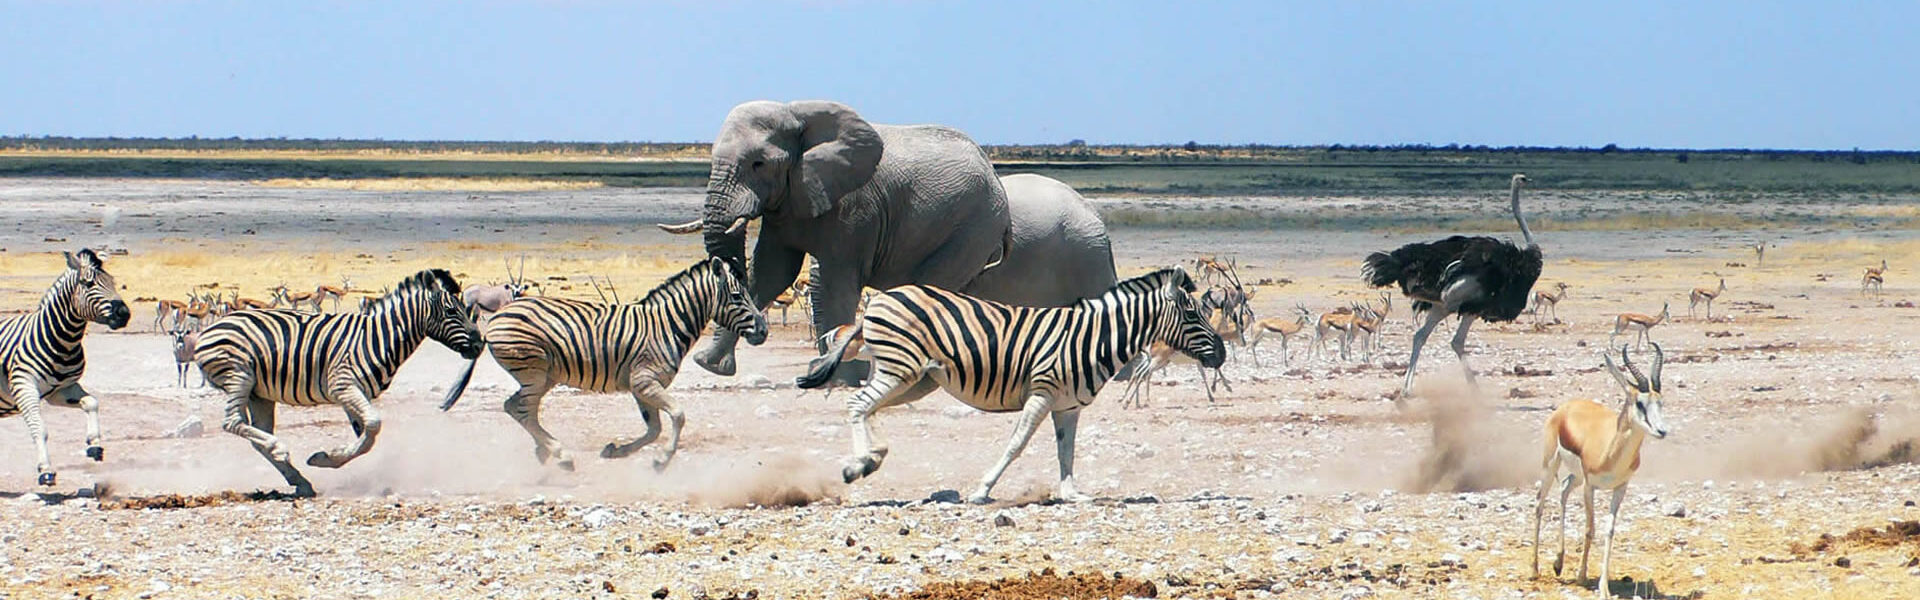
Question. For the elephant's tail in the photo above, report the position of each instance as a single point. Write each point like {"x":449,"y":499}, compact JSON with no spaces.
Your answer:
{"x":1006,"y":250}
{"x":821,"y":370}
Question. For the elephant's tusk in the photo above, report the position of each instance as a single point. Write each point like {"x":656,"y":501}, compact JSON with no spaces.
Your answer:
{"x":681,"y":229}
{"x":739,"y":225}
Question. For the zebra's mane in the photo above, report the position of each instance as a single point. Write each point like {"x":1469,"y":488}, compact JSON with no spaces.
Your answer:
{"x":675,"y":279}
{"x":426,"y":279}
{"x":1151,"y":281}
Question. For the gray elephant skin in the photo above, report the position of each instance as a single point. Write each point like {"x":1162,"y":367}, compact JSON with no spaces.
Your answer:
{"x":886,"y":205}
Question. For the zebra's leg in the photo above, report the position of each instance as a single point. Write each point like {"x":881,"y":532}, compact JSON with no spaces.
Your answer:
{"x":365,"y":420}
{"x":242,"y":421}
{"x":78,"y":396}
{"x":654,"y":404}
{"x":1036,"y":408}
{"x":1065,"y":424}
{"x":648,"y":413}
{"x":27,"y":395}
{"x":882,"y":390}
{"x":524,"y":407}
{"x":260,"y":416}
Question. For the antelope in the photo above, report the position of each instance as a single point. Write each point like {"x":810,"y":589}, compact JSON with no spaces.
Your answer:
{"x":1284,"y":328}
{"x":1340,"y":320}
{"x":327,"y":292}
{"x":1874,"y":278}
{"x":1211,"y":265}
{"x":294,"y":299}
{"x":1637,"y":322}
{"x":1705,"y":296}
{"x":169,"y":308}
{"x":1759,"y":254}
{"x":486,"y":300}
{"x":247,"y":303}
{"x":184,"y":342}
{"x":1549,"y":302}
{"x":1600,"y":449}
{"x":1366,"y":321}
{"x":198,"y":309}
{"x":782,"y":302}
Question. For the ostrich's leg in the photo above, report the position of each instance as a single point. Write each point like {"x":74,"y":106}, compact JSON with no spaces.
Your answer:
{"x":1434,"y":317}
{"x":1460,"y":348}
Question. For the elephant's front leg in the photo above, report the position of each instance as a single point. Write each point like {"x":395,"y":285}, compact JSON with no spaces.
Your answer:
{"x":836,"y":298}
{"x":774,"y":269}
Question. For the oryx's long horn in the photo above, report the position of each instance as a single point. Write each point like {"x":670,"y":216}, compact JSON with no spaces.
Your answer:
{"x":681,"y":229}
{"x":739,"y":224}
{"x":1640,"y":380}
{"x":1659,"y":358}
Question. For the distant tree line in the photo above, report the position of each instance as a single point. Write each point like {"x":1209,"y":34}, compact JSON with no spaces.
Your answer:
{"x":1075,"y":150}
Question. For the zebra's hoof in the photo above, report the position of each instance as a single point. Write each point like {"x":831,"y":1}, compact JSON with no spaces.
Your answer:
{"x":46,"y":479}
{"x":660,"y":466}
{"x":96,"y":453}
{"x":565,"y":464}
{"x":979,"y":499}
{"x":322,"y":460}
{"x":722,"y":366}
{"x":612,"y":450}
{"x":1558,"y":561}
{"x":303,"y":491}
{"x":859,"y":468}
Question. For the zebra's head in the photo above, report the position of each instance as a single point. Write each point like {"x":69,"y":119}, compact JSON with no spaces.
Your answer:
{"x":96,"y":296}
{"x":449,"y":320}
{"x":737,"y":312}
{"x":1180,"y":324}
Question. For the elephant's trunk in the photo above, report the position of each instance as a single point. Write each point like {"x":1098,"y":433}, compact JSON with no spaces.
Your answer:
{"x":727,"y":203}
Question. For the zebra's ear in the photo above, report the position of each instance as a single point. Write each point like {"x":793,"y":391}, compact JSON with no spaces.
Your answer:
{"x":86,"y":259}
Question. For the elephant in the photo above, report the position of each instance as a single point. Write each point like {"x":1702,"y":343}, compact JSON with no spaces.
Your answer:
{"x":881,"y":206}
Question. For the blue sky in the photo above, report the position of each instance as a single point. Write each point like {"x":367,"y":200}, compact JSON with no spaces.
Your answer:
{"x":1640,"y":74}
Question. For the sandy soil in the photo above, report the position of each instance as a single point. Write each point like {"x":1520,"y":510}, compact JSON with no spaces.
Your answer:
{"x":1792,"y":414}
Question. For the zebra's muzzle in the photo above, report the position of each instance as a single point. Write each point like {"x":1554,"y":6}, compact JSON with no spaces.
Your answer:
{"x":117,"y":315}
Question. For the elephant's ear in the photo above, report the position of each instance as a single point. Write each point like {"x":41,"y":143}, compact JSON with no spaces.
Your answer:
{"x":842,"y":152}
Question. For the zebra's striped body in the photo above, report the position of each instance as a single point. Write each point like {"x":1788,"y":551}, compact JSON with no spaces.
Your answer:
{"x":260,"y":358}
{"x":1000,"y":358}
{"x":635,"y":348}
{"x":41,"y":355}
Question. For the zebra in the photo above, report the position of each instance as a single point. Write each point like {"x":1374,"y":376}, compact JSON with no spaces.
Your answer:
{"x":1000,"y":358}
{"x":41,"y":355}
{"x":263,"y":357}
{"x":634,"y":348}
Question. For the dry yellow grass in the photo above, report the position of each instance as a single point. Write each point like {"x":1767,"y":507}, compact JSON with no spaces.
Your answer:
{"x":560,"y":270}
{"x":415,"y":184}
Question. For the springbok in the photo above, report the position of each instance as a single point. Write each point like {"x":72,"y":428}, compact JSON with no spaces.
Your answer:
{"x":1599,"y":449}
{"x":1543,"y":302}
{"x":184,"y":342}
{"x":1874,"y":278}
{"x":198,"y":310}
{"x":247,"y":303}
{"x":293,"y":299}
{"x":327,"y":292}
{"x":169,"y":308}
{"x":1337,"y":320}
{"x":1705,"y":296}
{"x":1283,"y":328}
{"x":1638,"y":323}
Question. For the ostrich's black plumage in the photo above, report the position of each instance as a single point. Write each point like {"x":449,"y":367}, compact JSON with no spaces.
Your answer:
{"x":1423,"y":270}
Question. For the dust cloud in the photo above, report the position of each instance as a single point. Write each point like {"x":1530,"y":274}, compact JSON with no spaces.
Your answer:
{"x":1853,"y":439}
{"x":1471,"y":451}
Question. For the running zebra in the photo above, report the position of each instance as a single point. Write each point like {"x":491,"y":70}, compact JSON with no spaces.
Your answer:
{"x":41,"y":354}
{"x":263,"y":357}
{"x":1000,"y":358}
{"x":634,"y":348}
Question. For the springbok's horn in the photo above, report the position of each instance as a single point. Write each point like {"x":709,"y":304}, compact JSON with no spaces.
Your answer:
{"x":1639,"y":379}
{"x":1659,"y":358}
{"x":681,"y":229}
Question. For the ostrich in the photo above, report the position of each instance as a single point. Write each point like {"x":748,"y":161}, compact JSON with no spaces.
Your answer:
{"x":1474,"y":277}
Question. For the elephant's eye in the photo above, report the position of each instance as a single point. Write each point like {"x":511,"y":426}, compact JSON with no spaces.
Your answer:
{"x":758,"y":164}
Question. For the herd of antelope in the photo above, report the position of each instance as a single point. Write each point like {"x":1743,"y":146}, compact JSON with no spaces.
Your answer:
{"x":1355,"y":327}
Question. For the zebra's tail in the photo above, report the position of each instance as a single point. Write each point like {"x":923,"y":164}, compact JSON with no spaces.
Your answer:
{"x":822,"y":368}
{"x":459,"y":385}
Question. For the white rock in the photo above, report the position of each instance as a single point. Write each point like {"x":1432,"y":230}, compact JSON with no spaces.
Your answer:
{"x":957,"y":411}
{"x":766,"y":412}
{"x":599,"y":517}
{"x":190,"y":428}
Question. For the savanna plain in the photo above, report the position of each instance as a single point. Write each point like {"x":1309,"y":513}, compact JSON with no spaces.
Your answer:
{"x":1789,"y":471}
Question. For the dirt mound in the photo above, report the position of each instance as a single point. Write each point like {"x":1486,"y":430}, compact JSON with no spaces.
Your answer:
{"x":1894,"y":535}
{"x":165,"y":501}
{"x":1045,"y":585}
